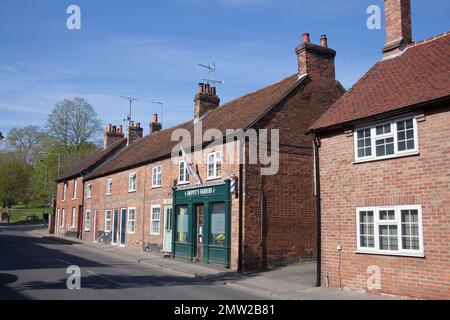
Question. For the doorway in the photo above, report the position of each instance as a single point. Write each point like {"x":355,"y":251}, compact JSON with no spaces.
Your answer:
{"x":167,"y":240}
{"x":200,"y":217}
{"x":115,"y":230}
{"x":123,"y":222}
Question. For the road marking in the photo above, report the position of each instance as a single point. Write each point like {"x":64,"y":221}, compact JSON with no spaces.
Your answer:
{"x":107,"y":279}
{"x":64,"y":261}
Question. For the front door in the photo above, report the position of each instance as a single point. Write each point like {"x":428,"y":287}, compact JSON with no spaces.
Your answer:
{"x":200,"y":216}
{"x":115,"y":226}
{"x":123,"y":222}
{"x":167,"y":241}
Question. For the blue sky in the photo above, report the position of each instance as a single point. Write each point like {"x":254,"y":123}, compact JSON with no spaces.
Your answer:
{"x":150,"y":50}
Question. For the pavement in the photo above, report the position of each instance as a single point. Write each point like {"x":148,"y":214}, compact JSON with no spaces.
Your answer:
{"x":141,"y":272}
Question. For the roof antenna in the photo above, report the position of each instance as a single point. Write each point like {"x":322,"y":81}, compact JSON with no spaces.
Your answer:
{"x":131,"y":100}
{"x":211,"y":69}
{"x":161,"y":104}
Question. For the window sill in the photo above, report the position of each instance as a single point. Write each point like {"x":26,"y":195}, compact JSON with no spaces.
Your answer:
{"x":155,"y":234}
{"x":108,"y":194}
{"x":213,"y":178}
{"x":409,"y":154}
{"x":183,"y":183}
{"x":156,"y":187}
{"x":131,"y":191}
{"x":397,"y":254}
{"x":74,"y":199}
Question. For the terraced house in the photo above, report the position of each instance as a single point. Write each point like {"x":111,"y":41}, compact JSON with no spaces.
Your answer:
{"x":204,"y":203}
{"x":384,"y":160}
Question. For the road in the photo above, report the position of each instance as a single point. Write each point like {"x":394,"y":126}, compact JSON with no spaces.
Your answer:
{"x":33,"y":267}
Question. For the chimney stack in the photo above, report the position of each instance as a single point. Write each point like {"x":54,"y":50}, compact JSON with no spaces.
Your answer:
{"x":112,"y":134}
{"x":154,"y":125}
{"x":205,"y":100}
{"x":134,"y":132}
{"x":317,"y":61}
{"x":398,"y":26}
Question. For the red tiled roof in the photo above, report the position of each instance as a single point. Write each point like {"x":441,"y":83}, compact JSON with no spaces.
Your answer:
{"x":421,"y":74}
{"x":91,"y":160}
{"x":236,"y":114}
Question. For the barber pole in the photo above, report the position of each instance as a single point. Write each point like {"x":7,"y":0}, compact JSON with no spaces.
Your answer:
{"x":233,"y":184}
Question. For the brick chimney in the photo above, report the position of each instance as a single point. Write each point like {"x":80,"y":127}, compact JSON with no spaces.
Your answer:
{"x":316,"y":60}
{"x":112,"y":134}
{"x":135,"y":132}
{"x":154,"y":125}
{"x":398,"y":26}
{"x":205,"y":100}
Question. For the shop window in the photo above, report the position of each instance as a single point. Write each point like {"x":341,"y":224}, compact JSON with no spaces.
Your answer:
{"x":182,"y":224}
{"x":218,"y":235}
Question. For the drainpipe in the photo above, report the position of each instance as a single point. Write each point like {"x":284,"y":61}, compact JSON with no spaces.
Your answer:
{"x":261,"y":208}
{"x":241,"y":172}
{"x":143,"y":209}
{"x":316,"y":141}
{"x":81,"y":221}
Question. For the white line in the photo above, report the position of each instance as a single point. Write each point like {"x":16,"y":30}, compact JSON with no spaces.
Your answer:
{"x":105,"y":278}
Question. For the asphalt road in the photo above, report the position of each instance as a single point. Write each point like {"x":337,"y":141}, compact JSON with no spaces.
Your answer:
{"x":33,"y":267}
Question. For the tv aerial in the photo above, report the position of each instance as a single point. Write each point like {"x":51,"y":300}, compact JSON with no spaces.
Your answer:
{"x":211,"y":70}
{"x":131,"y":100}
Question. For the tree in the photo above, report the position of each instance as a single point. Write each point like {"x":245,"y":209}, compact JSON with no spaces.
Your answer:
{"x":72,"y":123}
{"x":15,"y":182}
{"x":26,"y":143}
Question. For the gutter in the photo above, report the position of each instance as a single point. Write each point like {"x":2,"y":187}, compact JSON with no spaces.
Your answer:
{"x":316,"y":141}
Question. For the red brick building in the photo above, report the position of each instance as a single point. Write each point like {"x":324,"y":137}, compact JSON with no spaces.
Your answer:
{"x":68,"y":215}
{"x":383,"y":152}
{"x":147,"y":198}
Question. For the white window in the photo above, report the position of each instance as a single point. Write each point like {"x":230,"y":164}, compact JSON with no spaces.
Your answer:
{"x":154,"y":221}
{"x":109,"y":187}
{"x":63,"y":218}
{"x":390,"y":230}
{"x":214,"y":165}
{"x":64,"y":191}
{"x":183,"y":173}
{"x":386,"y":140}
{"x":131,"y":220}
{"x":132,"y":182}
{"x":72,"y":222}
{"x":74,"y":191}
{"x":87,"y":221}
{"x":156,"y":177}
{"x":108,"y":221}
{"x":89,"y":191}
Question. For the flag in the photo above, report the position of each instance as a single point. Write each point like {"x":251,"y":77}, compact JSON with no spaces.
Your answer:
{"x":190,"y":167}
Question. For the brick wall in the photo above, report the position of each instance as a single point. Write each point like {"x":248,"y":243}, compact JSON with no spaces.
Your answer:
{"x":423,"y":179}
{"x":67,"y":205}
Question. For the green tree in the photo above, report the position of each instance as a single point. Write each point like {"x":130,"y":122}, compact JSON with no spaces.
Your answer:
{"x":26,"y":143}
{"x":15,"y":182}
{"x":73,"y":123}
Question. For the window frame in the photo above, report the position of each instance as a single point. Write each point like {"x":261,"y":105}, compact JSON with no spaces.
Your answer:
{"x":89,"y":191}
{"x":109,"y":186}
{"x":393,"y":134}
{"x":72,"y":221}
{"x":186,"y":173}
{"x":108,"y":230}
{"x":157,"y":173}
{"x":87,"y":221}
{"x":397,"y":221}
{"x":129,"y":220}
{"x":63,"y":218}
{"x":154,"y":220}
{"x":132,"y":174}
{"x":65,"y":186}
{"x":74,"y":191}
{"x":217,"y":159}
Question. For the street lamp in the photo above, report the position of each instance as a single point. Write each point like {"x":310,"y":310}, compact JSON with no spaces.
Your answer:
{"x":55,"y":154}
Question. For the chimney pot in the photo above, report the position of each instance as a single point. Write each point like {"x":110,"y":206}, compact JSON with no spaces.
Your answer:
{"x":108,"y":128}
{"x":208,"y":88}
{"x":213,"y":90}
{"x":324,"y":41}
{"x":112,"y":134}
{"x":201,"y":87}
{"x":138,"y":124}
{"x":306,"y":38}
{"x":120,"y":129}
{"x":154,"y":118}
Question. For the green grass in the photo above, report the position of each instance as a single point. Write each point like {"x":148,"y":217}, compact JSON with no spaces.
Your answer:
{"x":19,"y":214}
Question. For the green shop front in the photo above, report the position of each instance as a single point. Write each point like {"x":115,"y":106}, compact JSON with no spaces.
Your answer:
{"x":201,"y":223}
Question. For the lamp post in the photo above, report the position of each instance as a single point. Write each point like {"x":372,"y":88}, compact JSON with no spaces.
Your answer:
{"x":55,"y":154}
